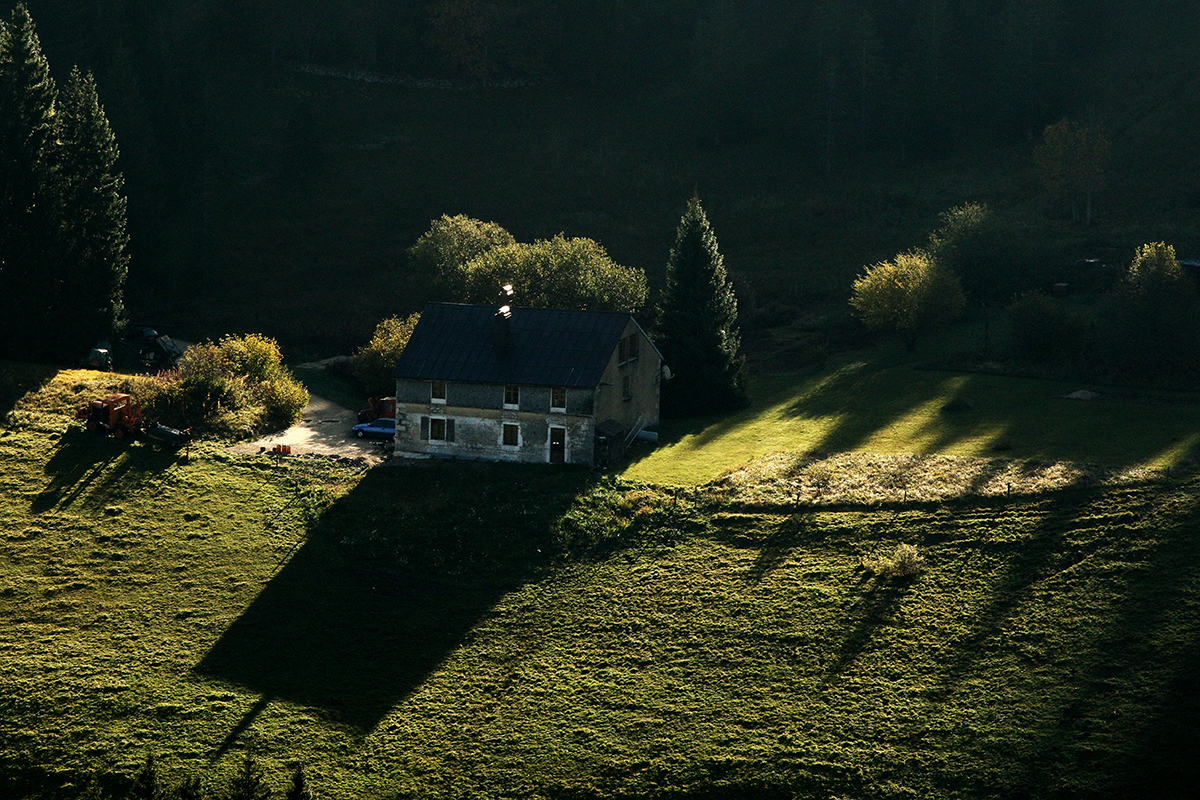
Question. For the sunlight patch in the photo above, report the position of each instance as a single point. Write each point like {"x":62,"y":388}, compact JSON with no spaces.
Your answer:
{"x":873,"y":478}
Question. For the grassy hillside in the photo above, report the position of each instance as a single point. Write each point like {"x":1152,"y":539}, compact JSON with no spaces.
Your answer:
{"x":883,"y":400}
{"x":490,"y":631}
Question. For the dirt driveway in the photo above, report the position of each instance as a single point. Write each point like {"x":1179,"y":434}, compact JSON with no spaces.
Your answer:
{"x":323,"y":429}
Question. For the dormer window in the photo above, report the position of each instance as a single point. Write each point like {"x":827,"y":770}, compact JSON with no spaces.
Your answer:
{"x":437,"y":392}
{"x":512,"y":396}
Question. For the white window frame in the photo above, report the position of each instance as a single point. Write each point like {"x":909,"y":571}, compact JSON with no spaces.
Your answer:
{"x":440,"y":440}
{"x":512,"y":406}
{"x":434,"y":399}
{"x":563,"y":407}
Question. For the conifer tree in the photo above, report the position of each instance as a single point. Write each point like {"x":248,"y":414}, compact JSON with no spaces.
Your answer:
{"x":27,"y":134}
{"x":62,"y":213}
{"x":248,"y":783}
{"x":299,"y":789}
{"x":697,"y":324}
{"x":93,"y":238}
{"x":146,"y":785}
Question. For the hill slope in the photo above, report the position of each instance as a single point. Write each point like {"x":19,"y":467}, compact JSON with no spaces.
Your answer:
{"x":456,"y":629}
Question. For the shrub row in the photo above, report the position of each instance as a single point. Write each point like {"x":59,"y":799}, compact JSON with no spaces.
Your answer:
{"x":237,"y":386}
{"x":1146,"y":329}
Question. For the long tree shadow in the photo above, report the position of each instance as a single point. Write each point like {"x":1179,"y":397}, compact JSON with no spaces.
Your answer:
{"x":1039,"y":555}
{"x":793,"y":531}
{"x":1117,"y":718}
{"x":1140,"y":682}
{"x":389,"y":582}
{"x":18,"y":380}
{"x":97,"y":469}
{"x":875,"y":609}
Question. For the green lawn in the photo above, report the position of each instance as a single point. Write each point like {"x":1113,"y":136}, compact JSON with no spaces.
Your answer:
{"x":491,"y":631}
{"x":886,"y":401}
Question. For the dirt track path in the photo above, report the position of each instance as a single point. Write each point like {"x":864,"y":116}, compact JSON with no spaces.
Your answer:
{"x":323,"y":429}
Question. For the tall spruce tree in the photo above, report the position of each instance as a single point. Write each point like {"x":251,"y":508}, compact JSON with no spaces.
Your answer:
{"x":62,"y":214}
{"x":27,"y":135}
{"x":299,"y":790}
{"x":248,"y":783}
{"x":697,"y":324}
{"x":93,"y":239}
{"x":146,"y":784}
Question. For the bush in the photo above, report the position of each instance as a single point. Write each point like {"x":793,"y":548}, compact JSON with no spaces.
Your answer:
{"x":373,"y":364}
{"x":1151,"y":321}
{"x":249,"y":782}
{"x":1046,"y":330}
{"x":910,"y":294}
{"x":237,"y":387}
{"x":903,"y":562}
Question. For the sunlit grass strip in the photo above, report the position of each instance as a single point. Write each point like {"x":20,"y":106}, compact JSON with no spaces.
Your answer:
{"x":874,"y":407}
{"x":789,"y":479}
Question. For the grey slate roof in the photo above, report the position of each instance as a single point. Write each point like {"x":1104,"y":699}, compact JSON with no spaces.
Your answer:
{"x":535,"y":347}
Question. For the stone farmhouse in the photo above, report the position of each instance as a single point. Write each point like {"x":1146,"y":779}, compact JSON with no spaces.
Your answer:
{"x":525,"y":384}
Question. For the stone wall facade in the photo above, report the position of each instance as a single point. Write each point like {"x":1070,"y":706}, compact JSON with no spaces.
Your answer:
{"x":478,"y":431}
{"x":480,"y":420}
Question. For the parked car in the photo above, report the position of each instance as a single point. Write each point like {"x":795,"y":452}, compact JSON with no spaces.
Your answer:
{"x":382,"y":428}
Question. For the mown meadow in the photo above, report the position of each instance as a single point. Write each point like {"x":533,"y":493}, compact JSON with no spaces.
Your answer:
{"x":881,"y":399}
{"x":468,"y":630}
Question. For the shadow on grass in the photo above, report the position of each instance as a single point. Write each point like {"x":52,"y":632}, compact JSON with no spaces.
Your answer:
{"x":1139,"y":685}
{"x":875,"y":609}
{"x":792,"y":532}
{"x":1043,"y":554}
{"x":390,"y":581}
{"x":1115,"y":717}
{"x":847,"y":407}
{"x":880,"y":403}
{"x":98,"y":469}
{"x":19,"y":379}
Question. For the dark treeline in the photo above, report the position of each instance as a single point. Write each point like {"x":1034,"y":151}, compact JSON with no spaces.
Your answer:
{"x":829,"y":82}
{"x":918,"y":77}
{"x":849,"y":76}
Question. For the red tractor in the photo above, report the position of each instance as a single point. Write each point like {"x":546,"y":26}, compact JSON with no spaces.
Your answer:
{"x":118,"y":414}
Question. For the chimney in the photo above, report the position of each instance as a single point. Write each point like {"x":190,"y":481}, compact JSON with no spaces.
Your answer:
{"x":502,"y":316}
{"x":504,"y":302}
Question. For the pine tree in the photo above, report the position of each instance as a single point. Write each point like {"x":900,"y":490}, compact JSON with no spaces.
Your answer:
{"x":697,"y":324}
{"x":299,"y":789}
{"x":62,"y":213}
{"x":146,"y":785}
{"x":27,"y":134}
{"x":188,"y":789}
{"x":92,"y":208}
{"x":248,"y":782}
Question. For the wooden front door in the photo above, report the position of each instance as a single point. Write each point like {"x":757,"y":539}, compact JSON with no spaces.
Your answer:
{"x":558,"y":445}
